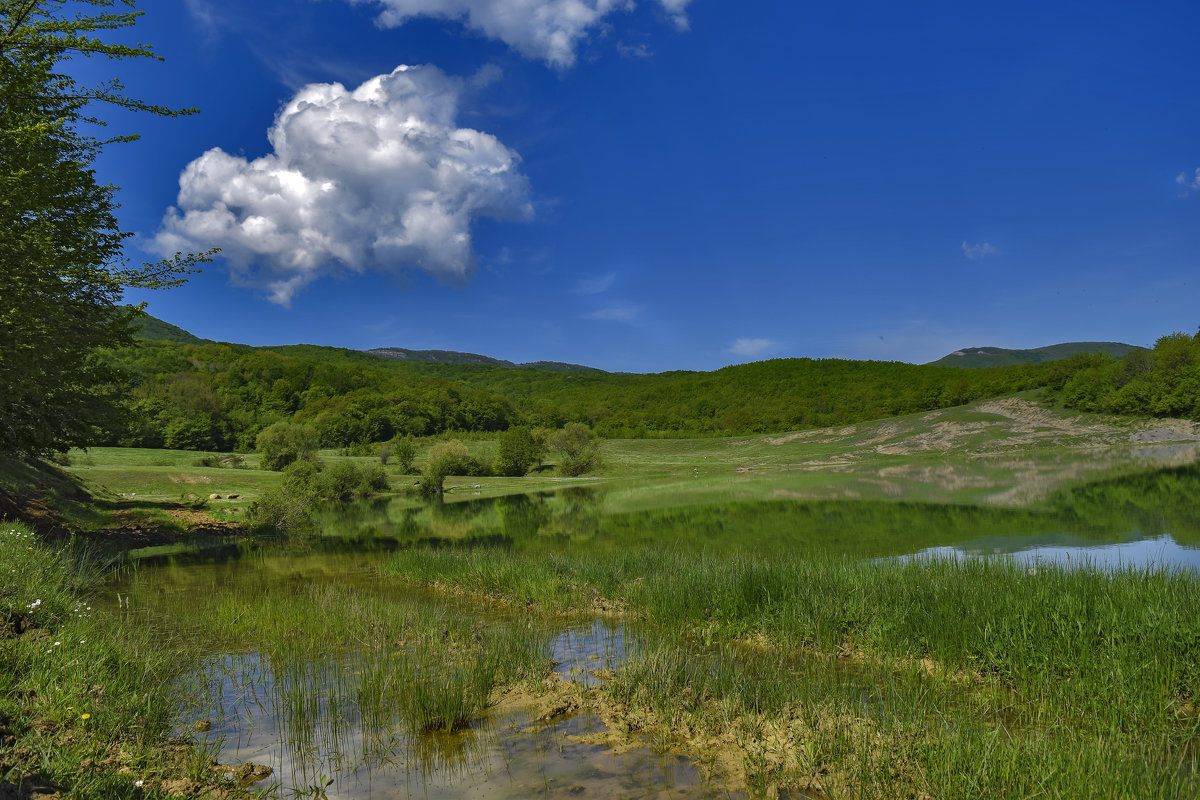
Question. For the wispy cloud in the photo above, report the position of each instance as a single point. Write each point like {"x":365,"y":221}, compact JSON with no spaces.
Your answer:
{"x":376,"y":178}
{"x":634,"y":50}
{"x":978,"y":251}
{"x":750,"y":347}
{"x":595,"y":285}
{"x":1189,"y":183}
{"x":205,"y":15}
{"x":625,"y":314}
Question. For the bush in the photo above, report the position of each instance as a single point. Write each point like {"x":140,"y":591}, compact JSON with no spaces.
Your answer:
{"x":579,"y":448}
{"x":405,"y":453}
{"x":285,"y":442}
{"x":280,"y":510}
{"x":307,"y":484}
{"x":518,"y":451}
{"x":339,"y":481}
{"x":445,"y":458}
{"x":374,"y":478}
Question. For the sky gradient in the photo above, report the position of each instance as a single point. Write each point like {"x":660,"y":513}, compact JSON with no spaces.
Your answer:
{"x":669,"y":185}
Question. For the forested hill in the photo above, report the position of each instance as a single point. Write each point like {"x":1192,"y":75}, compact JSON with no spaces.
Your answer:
{"x":148,"y":327}
{"x":975,"y":357}
{"x":455,"y":357}
{"x":219,"y":396}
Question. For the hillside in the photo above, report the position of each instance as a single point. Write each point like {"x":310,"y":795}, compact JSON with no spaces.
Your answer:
{"x":148,"y":327}
{"x":219,"y":396}
{"x":453,"y":357}
{"x":976,"y":357}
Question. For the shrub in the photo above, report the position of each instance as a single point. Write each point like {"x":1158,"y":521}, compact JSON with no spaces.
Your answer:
{"x":445,"y":458}
{"x":281,"y":510}
{"x":579,"y":448}
{"x":517,"y":452}
{"x":285,"y":442}
{"x":405,"y":453}
{"x":339,"y":481}
{"x":374,"y":478}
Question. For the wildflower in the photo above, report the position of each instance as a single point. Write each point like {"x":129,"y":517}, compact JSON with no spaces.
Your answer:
{"x":138,"y":783}
{"x":85,"y":716}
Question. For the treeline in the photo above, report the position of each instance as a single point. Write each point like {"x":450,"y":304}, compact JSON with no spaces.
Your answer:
{"x":1163,"y":382}
{"x":209,"y":396}
{"x":221,"y":396}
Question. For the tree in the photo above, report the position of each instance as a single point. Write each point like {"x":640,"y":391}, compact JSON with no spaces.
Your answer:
{"x":517,"y":452}
{"x":285,"y":442}
{"x":62,"y":268}
{"x":578,"y":447}
{"x":405,"y":453}
{"x":445,"y":459}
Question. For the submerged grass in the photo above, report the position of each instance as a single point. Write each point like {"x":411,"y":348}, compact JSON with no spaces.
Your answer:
{"x":338,"y":652}
{"x":885,"y":678}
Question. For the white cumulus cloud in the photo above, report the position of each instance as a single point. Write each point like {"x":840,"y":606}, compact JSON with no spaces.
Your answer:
{"x":378,"y":178}
{"x":550,"y":30}
{"x":978,"y":251}
{"x":750,"y":347}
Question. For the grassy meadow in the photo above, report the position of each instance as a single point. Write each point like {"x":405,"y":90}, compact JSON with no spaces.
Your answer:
{"x":774,"y":637}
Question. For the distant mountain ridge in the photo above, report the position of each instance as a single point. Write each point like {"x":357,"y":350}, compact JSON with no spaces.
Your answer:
{"x":149,"y":327}
{"x":976,"y":357}
{"x":455,"y":357}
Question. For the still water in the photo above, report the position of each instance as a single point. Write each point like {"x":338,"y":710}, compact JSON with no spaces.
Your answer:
{"x":303,"y":713}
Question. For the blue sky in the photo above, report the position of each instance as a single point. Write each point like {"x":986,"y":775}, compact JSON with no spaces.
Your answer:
{"x":671,"y":184}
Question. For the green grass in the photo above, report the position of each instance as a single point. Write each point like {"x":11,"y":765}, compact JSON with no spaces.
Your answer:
{"x":902,"y":673}
{"x":1007,"y":452}
{"x":81,"y":692}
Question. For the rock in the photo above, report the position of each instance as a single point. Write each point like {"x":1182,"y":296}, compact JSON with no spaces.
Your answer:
{"x":232,"y":496}
{"x":251,"y":773}
{"x":214,"y":497}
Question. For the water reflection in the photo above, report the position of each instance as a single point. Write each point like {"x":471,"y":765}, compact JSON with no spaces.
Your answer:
{"x":1100,"y":514}
{"x":319,"y":746}
{"x":1162,"y":552}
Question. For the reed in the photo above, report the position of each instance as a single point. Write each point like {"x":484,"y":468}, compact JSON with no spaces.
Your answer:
{"x":899,"y":672}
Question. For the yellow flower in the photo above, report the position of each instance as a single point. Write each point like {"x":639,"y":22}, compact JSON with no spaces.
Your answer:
{"x":85,"y":716}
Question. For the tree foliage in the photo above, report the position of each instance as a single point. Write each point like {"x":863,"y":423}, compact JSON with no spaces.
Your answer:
{"x":1163,"y":382}
{"x":517,"y":452}
{"x":578,"y":448}
{"x":285,"y":443}
{"x":62,"y":268}
{"x":445,"y":459}
{"x":224,"y":394}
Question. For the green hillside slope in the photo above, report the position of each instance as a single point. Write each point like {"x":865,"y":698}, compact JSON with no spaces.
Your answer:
{"x":976,"y":357}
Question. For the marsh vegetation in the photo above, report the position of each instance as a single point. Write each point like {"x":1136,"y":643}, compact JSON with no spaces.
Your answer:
{"x":863,"y":611}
